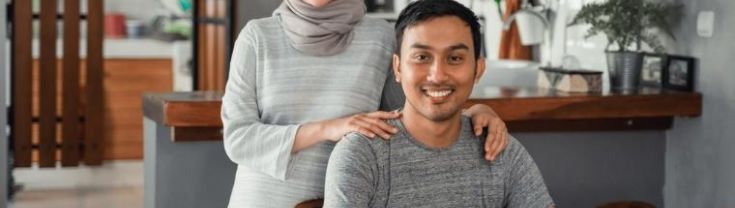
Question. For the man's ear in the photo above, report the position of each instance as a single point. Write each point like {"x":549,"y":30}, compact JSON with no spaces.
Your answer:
{"x":397,"y":67}
{"x":480,"y":70}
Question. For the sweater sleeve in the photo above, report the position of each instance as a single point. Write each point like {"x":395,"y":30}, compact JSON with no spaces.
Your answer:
{"x":247,"y":140}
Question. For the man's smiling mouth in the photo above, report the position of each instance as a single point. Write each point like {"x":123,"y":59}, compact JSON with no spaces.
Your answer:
{"x":438,"y":93}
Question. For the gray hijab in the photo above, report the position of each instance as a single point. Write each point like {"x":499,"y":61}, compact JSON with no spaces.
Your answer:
{"x":322,"y":31}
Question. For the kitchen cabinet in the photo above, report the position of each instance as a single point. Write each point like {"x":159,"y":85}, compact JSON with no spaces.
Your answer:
{"x":125,"y":81}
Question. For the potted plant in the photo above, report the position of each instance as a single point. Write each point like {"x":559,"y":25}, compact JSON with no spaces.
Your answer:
{"x":628,"y":23}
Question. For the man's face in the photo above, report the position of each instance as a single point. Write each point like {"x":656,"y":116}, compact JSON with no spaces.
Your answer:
{"x":437,"y":67}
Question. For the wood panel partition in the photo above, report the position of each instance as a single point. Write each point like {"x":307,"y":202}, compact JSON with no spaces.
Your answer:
{"x":22,"y":34}
{"x":47,"y":85}
{"x":71,"y":128}
{"x":94,"y":103}
{"x":77,"y":113}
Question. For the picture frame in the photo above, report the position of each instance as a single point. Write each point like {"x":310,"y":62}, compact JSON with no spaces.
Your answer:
{"x":678,"y":73}
{"x":652,"y":70}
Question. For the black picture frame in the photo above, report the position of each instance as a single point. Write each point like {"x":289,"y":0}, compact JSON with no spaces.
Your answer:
{"x":652,"y":70}
{"x":679,"y":73}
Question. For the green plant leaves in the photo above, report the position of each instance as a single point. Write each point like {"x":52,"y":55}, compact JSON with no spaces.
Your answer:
{"x":628,"y":22}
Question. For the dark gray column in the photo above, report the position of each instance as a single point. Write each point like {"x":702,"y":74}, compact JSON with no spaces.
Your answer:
{"x":184,"y":174}
{"x":3,"y":102}
{"x":252,"y":9}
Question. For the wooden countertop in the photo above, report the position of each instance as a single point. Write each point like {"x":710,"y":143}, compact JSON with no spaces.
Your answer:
{"x":531,"y":104}
{"x":193,"y":114}
{"x":184,"y":109}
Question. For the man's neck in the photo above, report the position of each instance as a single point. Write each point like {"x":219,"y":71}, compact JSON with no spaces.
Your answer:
{"x":434,"y":134}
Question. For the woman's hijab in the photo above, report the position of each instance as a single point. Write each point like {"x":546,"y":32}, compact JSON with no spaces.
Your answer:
{"x":322,"y":31}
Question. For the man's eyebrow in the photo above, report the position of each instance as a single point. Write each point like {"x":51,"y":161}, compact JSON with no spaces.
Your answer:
{"x":458,"y":47}
{"x":420,"y":46}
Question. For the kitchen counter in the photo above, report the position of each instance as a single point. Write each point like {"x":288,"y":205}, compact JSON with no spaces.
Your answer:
{"x":196,"y":115}
{"x":185,"y":164}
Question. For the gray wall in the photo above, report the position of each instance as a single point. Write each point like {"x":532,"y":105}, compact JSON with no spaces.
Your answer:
{"x":252,"y":9}
{"x":700,"y":161}
{"x":587,"y":169}
{"x":249,"y":10}
{"x":3,"y":122}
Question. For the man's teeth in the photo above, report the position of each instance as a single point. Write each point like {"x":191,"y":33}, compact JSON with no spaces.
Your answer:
{"x":441,"y":93}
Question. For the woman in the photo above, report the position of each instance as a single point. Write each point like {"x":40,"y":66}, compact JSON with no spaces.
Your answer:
{"x":298,"y":82}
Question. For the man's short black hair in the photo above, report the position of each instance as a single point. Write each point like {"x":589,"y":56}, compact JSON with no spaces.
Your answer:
{"x":424,"y":10}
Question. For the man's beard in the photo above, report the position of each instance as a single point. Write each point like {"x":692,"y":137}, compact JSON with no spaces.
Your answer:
{"x":438,"y":115}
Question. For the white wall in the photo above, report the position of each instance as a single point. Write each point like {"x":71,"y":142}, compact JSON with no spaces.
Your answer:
{"x":132,"y":8}
{"x":562,"y":40}
{"x":700,"y":161}
{"x":3,"y":136}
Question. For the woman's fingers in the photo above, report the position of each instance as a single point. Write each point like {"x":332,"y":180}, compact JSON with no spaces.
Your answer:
{"x":500,"y":140}
{"x":489,"y":142}
{"x":478,"y":124}
{"x":371,"y":124}
{"x":384,"y":114}
{"x":365,"y":132}
{"x":500,"y":145}
{"x":503,"y":141}
{"x":376,"y":126}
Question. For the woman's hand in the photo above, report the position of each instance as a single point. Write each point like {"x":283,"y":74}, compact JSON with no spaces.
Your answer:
{"x":369,"y":124}
{"x":497,"y":139}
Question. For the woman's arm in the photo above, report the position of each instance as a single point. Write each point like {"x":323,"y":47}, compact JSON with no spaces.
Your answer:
{"x":247,"y":140}
{"x":267,"y":147}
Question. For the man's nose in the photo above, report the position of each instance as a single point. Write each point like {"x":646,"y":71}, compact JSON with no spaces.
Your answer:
{"x":438,"y":72}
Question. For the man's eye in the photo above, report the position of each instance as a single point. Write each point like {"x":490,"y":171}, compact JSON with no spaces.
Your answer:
{"x":455,"y":59}
{"x":421,"y":57}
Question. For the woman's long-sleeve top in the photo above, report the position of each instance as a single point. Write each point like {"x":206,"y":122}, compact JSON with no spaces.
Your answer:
{"x":273,"y":88}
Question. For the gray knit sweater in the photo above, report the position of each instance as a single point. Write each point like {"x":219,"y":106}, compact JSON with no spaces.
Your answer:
{"x":403,"y":172}
{"x":273,"y":88}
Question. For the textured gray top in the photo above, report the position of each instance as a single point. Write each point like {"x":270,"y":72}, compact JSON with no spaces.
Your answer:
{"x":402,"y":172}
{"x":273,"y":88}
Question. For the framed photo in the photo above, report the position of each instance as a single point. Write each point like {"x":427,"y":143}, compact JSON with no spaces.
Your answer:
{"x":652,"y":70}
{"x":679,"y":73}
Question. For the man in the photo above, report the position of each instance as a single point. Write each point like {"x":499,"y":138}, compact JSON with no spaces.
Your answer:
{"x":434,"y":160}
